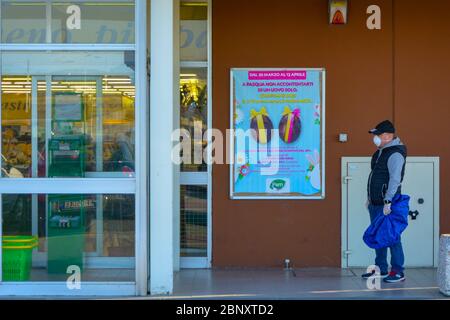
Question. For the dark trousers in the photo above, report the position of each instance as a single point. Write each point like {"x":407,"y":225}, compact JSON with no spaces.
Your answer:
{"x":397,"y":256}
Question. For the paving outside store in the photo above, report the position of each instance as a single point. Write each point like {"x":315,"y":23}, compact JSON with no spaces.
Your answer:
{"x":308,"y":283}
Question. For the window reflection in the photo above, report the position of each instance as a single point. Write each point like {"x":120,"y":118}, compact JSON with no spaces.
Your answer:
{"x":193,"y":221}
{"x":23,"y":21}
{"x":63,"y":230}
{"x":194,"y":110}
{"x":193,"y":31}
{"x":102,"y":22}
{"x":40,"y":109}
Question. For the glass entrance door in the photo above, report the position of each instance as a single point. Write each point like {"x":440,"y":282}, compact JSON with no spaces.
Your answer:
{"x":195,"y":120}
{"x":73,"y":149}
{"x":67,"y":118}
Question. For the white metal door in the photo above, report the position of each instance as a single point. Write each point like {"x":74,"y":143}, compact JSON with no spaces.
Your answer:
{"x":356,"y":253}
{"x":420,"y":238}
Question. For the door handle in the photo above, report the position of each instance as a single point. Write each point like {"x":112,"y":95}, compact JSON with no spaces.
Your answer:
{"x":347,"y":179}
{"x":413,"y":214}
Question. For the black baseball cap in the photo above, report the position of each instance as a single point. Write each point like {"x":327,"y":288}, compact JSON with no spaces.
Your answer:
{"x":383,"y":127}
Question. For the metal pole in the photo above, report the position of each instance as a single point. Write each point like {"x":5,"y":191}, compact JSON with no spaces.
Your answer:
{"x":99,"y":164}
{"x":34,"y":152}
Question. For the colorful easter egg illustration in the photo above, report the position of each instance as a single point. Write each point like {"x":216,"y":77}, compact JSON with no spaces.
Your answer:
{"x":261,"y":125}
{"x":290,"y":125}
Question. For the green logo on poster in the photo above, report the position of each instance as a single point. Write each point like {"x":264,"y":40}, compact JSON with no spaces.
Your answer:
{"x":277,"y":184}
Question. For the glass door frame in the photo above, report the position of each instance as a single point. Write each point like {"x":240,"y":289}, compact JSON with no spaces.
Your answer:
{"x":93,"y":259}
{"x":96,"y":185}
{"x":202,"y":178}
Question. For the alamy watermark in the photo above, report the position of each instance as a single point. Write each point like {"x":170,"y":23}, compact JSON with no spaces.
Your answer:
{"x":240,"y":146}
{"x":374,"y":281}
{"x":74,"y":280}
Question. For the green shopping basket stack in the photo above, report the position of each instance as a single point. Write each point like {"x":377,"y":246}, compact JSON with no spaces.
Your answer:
{"x":17,"y":255}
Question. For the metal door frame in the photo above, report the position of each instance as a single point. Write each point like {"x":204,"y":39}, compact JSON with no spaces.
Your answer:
{"x":202,"y":178}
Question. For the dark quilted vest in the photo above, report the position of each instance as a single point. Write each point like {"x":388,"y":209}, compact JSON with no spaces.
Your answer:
{"x":379,"y":177}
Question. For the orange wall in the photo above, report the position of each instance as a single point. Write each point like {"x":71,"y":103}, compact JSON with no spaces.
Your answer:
{"x":360,"y":92}
{"x":422,"y":85}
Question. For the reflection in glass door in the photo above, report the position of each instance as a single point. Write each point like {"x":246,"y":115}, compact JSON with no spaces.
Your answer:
{"x":63,"y":125}
{"x":195,"y":119}
{"x":73,"y":173}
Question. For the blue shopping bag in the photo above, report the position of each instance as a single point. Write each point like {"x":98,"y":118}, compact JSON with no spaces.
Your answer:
{"x":385,"y":231}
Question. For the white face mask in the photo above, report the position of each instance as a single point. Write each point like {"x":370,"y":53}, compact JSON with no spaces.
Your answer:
{"x":377,"y":141}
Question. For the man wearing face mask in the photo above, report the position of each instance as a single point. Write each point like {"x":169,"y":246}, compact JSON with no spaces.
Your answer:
{"x":388,"y":170}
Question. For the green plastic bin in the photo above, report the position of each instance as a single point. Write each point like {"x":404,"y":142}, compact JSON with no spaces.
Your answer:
{"x":17,"y":255}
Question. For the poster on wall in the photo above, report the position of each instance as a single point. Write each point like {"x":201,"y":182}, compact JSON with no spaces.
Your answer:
{"x":277,"y":121}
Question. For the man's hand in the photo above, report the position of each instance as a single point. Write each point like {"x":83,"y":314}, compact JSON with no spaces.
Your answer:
{"x":387,"y":209}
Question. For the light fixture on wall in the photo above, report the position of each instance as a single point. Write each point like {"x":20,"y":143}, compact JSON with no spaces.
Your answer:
{"x":337,"y":11}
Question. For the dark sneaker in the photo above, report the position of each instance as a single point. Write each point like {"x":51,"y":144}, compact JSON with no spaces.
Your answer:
{"x":372,"y":274}
{"x":394,"y":277}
